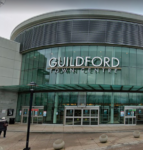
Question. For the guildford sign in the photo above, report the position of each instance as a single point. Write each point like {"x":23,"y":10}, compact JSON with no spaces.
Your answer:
{"x":68,"y":64}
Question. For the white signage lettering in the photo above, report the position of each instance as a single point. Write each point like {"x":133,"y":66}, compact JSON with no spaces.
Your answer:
{"x":80,"y":61}
{"x":96,"y":63}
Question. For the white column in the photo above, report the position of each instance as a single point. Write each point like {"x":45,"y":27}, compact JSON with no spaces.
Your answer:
{"x":55,"y":108}
{"x":112,"y":109}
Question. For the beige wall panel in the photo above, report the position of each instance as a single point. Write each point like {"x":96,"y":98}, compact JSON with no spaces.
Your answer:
{"x":8,"y":100}
{"x":10,"y":62}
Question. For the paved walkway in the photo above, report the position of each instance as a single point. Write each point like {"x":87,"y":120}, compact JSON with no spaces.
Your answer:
{"x":75,"y":137}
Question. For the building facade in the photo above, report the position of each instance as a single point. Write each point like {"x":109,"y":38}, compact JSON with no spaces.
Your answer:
{"x":88,"y":66}
{"x":10,"y":68}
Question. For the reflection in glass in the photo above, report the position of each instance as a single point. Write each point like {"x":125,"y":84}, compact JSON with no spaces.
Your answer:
{"x":69,"y":112}
{"x":128,"y":120}
{"x":77,"y":121}
{"x":86,"y":121}
{"x":94,"y":121}
{"x":69,"y":121}
{"x":25,"y":119}
{"x":77,"y":112}
{"x":86,"y":112}
{"x":35,"y":119}
{"x":94,"y":113}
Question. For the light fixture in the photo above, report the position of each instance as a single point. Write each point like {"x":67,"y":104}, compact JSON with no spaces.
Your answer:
{"x":32,"y":85}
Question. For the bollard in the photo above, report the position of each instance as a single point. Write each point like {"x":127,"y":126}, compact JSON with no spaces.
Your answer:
{"x":136,"y":134}
{"x":1,"y":148}
{"x":103,"y":138}
{"x":58,"y":144}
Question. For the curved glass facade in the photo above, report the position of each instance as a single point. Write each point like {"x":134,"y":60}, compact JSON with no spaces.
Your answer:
{"x":34,"y":68}
{"x":112,"y":102}
{"x":35,"y":64}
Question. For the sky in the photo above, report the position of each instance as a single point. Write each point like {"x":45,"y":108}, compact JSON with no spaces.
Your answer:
{"x":13,"y":12}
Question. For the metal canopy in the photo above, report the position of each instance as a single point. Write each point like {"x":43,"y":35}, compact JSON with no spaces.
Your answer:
{"x":75,"y":88}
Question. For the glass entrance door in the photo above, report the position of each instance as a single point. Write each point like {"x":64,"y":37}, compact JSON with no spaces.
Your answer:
{"x":139,"y":116}
{"x":36,"y":114}
{"x":81,"y":116}
{"x":111,"y":115}
{"x":130,"y":115}
{"x":133,"y":115}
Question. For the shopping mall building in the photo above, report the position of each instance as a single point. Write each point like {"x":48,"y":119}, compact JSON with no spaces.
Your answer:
{"x":88,"y":66}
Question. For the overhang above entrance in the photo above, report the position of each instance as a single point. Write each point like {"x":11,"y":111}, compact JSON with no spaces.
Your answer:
{"x":75,"y":87}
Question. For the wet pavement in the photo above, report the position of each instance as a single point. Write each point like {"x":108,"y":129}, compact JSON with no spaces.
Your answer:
{"x":75,"y":137}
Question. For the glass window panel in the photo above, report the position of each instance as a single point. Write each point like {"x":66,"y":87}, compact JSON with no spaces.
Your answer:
{"x":77,"y":112}
{"x":118,"y":54}
{"x":50,"y":106}
{"x":23,"y":57}
{"x":31,"y":57}
{"x":108,"y":76}
{"x":67,"y":75}
{"x":23,"y":65}
{"x":86,"y":112}
{"x":29,"y":79}
{"x":107,"y":98}
{"x":48,"y":55}
{"x":117,"y":98}
{"x":128,"y":121}
{"x":125,"y":76}
{"x":101,"y":73}
{"x":66,"y":98}
{"x":117,"y":77}
{"x":36,"y":59}
{"x":91,"y":74}
{"x":139,"y":76}
{"x":34,"y":75}
{"x":26,"y":61}
{"x":22,"y":75}
{"x":100,"y":77}
{"x":75,"y":76}
{"x":139,"y":99}
{"x":38,"y":101}
{"x":54,"y":53}
{"x":94,"y":121}
{"x":124,"y":98}
{"x":92,"y":52}
{"x":25,"y":76}
{"x":101,"y":53}
{"x":99,"y":98}
{"x":83,"y":74}
{"x":73,"y":98}
{"x":125,"y":56}
{"x":86,"y":121}
{"x":90,"y":99}
{"x":139,"y":58}
{"x":110,"y":54}
{"x":132,"y":98}
{"x":40,"y":112}
{"x":133,"y":56}
{"x":132,"y":76}
{"x":69,"y":112}
{"x":61,"y":55}
{"x":77,"y":121}
{"x":94,"y":113}
{"x":139,"y":111}
{"x":69,"y":121}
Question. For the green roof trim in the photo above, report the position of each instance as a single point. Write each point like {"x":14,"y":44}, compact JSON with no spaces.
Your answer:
{"x":74,"y":87}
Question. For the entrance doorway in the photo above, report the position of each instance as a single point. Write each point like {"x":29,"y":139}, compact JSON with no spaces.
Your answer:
{"x":133,"y":115}
{"x":88,"y":115}
{"x":111,"y":115}
{"x":36,"y":114}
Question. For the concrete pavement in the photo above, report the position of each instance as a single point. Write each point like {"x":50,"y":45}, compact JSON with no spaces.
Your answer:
{"x":75,"y":137}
